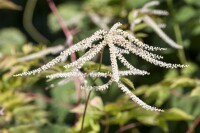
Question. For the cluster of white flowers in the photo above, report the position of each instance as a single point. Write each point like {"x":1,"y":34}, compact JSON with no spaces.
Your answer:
{"x":136,"y":99}
{"x":84,"y":44}
{"x":144,"y":15}
{"x":147,"y":6}
{"x":119,"y":42}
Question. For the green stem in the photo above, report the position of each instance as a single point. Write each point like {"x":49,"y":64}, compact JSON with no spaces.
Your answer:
{"x":179,"y":40}
{"x":85,"y":109}
{"x":177,"y":31}
{"x":107,"y":125}
{"x":28,"y":25}
{"x":88,"y":97}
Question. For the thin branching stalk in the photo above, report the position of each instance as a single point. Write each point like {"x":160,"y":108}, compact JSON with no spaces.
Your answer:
{"x":85,"y":109}
{"x":107,"y":125}
{"x":28,"y":25}
{"x":88,"y":97}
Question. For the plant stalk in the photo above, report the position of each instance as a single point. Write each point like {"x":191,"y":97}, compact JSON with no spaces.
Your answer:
{"x":177,"y":31}
{"x":88,"y":97}
{"x":85,"y":109}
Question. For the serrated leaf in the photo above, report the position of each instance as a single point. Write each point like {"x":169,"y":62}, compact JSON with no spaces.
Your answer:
{"x":175,"y":114}
{"x":127,"y":82}
{"x":183,"y":82}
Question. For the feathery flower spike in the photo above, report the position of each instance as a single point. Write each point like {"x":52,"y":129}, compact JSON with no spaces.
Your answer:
{"x":146,"y":11}
{"x":119,"y":42}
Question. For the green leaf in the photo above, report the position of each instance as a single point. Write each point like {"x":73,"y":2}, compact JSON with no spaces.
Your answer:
{"x":136,"y":3}
{"x":95,"y":126}
{"x":112,"y":107}
{"x":195,"y":91}
{"x":128,"y":82}
{"x":163,"y":125}
{"x":120,"y":118}
{"x":11,"y":38}
{"x":91,"y":66}
{"x":63,"y":94}
{"x":140,"y":35}
{"x":6,"y":4}
{"x":175,"y":114}
{"x":185,"y":13}
{"x":194,"y":2}
{"x":141,"y":90}
{"x":7,"y":62}
{"x":171,"y":74}
{"x":97,"y":103}
{"x":183,"y":82}
{"x":139,"y":27}
{"x":71,"y":13}
{"x":187,"y":71}
{"x":78,"y":109}
{"x":157,"y":93}
{"x":163,"y":95}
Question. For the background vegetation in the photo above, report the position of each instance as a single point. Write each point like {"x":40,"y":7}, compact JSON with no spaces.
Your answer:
{"x":35,"y":105}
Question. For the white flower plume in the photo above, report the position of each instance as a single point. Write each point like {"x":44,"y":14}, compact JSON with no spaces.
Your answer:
{"x":119,"y":42}
{"x":146,"y":12}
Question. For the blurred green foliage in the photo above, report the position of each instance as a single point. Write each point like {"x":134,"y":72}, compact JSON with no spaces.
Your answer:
{"x":34,"y":105}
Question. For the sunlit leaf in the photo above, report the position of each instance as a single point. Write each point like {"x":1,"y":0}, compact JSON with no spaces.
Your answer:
{"x":183,"y":81}
{"x":175,"y":114}
{"x":187,"y":71}
{"x":97,"y":102}
{"x":128,"y":82}
{"x":195,"y":91}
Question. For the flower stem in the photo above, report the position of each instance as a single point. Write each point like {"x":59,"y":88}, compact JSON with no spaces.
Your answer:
{"x":85,"y":109}
{"x":179,"y":40}
{"x":88,"y":97}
